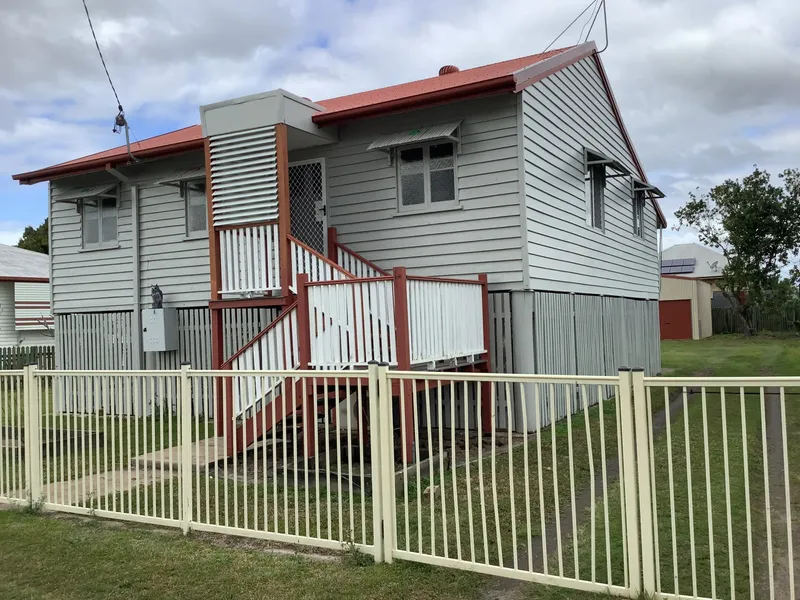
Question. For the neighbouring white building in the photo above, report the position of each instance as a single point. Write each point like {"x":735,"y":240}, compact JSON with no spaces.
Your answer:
{"x":26,"y":318}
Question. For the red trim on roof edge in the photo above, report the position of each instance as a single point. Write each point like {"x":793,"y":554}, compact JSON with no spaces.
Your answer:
{"x":105,"y":162}
{"x":614,"y":107}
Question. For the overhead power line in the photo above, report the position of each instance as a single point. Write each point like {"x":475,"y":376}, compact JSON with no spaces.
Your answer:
{"x":586,"y":23}
{"x":120,"y":121}
{"x":100,"y":52}
{"x":575,"y":20}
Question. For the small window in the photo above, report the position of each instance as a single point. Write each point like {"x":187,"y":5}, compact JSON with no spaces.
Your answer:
{"x":99,"y":222}
{"x":638,"y":213}
{"x":194,"y":193}
{"x":427,"y":176}
{"x":597,"y":189}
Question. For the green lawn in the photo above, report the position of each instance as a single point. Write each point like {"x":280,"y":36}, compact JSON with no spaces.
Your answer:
{"x":42,"y":543}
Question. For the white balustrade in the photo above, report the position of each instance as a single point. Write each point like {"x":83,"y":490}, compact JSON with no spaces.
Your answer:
{"x":352,"y":324}
{"x":445,"y":319}
{"x":249,"y":259}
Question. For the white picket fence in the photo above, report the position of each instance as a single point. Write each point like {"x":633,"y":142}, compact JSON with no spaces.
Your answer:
{"x":678,"y":488}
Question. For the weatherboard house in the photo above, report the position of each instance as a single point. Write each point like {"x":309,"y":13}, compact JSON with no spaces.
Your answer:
{"x":488,"y":218}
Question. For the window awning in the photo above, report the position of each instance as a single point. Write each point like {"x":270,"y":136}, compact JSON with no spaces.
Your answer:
{"x":103,"y":190}
{"x":179,"y":176}
{"x":593,"y":157}
{"x":641,"y":186}
{"x":420,"y":134}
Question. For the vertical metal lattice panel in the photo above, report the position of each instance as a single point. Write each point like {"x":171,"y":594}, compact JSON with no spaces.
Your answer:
{"x":94,"y":341}
{"x":501,"y":351}
{"x":555,"y":347}
{"x":307,"y":203}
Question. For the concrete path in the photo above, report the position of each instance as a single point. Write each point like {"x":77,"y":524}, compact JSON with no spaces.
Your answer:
{"x":172,"y":456}
{"x":152,"y":467}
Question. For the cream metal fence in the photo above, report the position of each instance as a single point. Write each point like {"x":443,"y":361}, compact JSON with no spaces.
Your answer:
{"x":679,"y":488}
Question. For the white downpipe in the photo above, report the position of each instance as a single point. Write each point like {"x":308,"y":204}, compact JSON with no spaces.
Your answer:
{"x":136,"y":329}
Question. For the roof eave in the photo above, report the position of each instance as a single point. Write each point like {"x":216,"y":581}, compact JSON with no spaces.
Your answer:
{"x":497,"y":85}
{"x":100,"y":164}
{"x":20,"y":279}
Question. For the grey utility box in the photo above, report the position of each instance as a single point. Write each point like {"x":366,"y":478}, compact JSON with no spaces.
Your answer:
{"x":159,"y":329}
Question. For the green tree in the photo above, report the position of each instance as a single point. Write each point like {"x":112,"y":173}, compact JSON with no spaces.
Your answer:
{"x":756,"y":225}
{"x":35,"y":239}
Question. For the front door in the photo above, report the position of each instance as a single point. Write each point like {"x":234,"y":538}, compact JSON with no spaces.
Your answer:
{"x":307,"y":203}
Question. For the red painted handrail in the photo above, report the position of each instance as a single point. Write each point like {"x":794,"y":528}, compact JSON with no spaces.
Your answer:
{"x":347,"y":281}
{"x":445,"y":280}
{"x":322,"y":257}
{"x":227,"y":364}
{"x":356,"y":255}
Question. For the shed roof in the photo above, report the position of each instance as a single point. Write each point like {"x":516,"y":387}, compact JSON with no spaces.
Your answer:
{"x":708,"y":263}
{"x":17,"y":264}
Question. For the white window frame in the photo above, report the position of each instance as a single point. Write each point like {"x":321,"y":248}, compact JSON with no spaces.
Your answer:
{"x":427,"y":206}
{"x":186,"y":194}
{"x":101,"y":243}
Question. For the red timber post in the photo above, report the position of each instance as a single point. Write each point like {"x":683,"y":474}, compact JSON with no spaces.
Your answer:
{"x":284,"y":215}
{"x":333,"y":238}
{"x":403,"y":341}
{"x":486,"y":392}
{"x":304,"y":348}
{"x":217,"y":346}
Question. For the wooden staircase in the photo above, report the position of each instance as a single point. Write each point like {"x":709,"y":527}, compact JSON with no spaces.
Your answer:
{"x":292,"y":402}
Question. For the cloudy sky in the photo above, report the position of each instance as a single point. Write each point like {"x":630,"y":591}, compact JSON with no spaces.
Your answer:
{"x":707,"y":87}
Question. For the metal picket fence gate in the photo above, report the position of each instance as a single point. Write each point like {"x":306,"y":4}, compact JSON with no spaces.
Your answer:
{"x":679,"y":488}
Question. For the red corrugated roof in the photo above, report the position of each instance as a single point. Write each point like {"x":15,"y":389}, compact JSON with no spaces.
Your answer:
{"x":192,"y":133}
{"x":167,"y":144}
{"x":431,"y":85}
{"x":493,"y":78}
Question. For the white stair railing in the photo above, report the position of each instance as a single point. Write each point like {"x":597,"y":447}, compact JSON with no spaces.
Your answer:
{"x":356,"y":264}
{"x":274,"y":349}
{"x":309,"y":262}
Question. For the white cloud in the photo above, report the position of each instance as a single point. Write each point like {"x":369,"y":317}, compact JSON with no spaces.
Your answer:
{"x":706,"y":88}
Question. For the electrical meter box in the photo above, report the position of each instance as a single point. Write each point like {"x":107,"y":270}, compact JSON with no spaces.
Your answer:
{"x":159,"y":329}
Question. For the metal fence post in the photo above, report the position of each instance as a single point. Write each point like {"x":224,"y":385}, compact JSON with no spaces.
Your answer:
{"x":644,"y":481}
{"x":186,"y":448}
{"x":387,"y":461}
{"x":628,"y":477}
{"x":374,"y":439}
{"x":33,"y":434}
